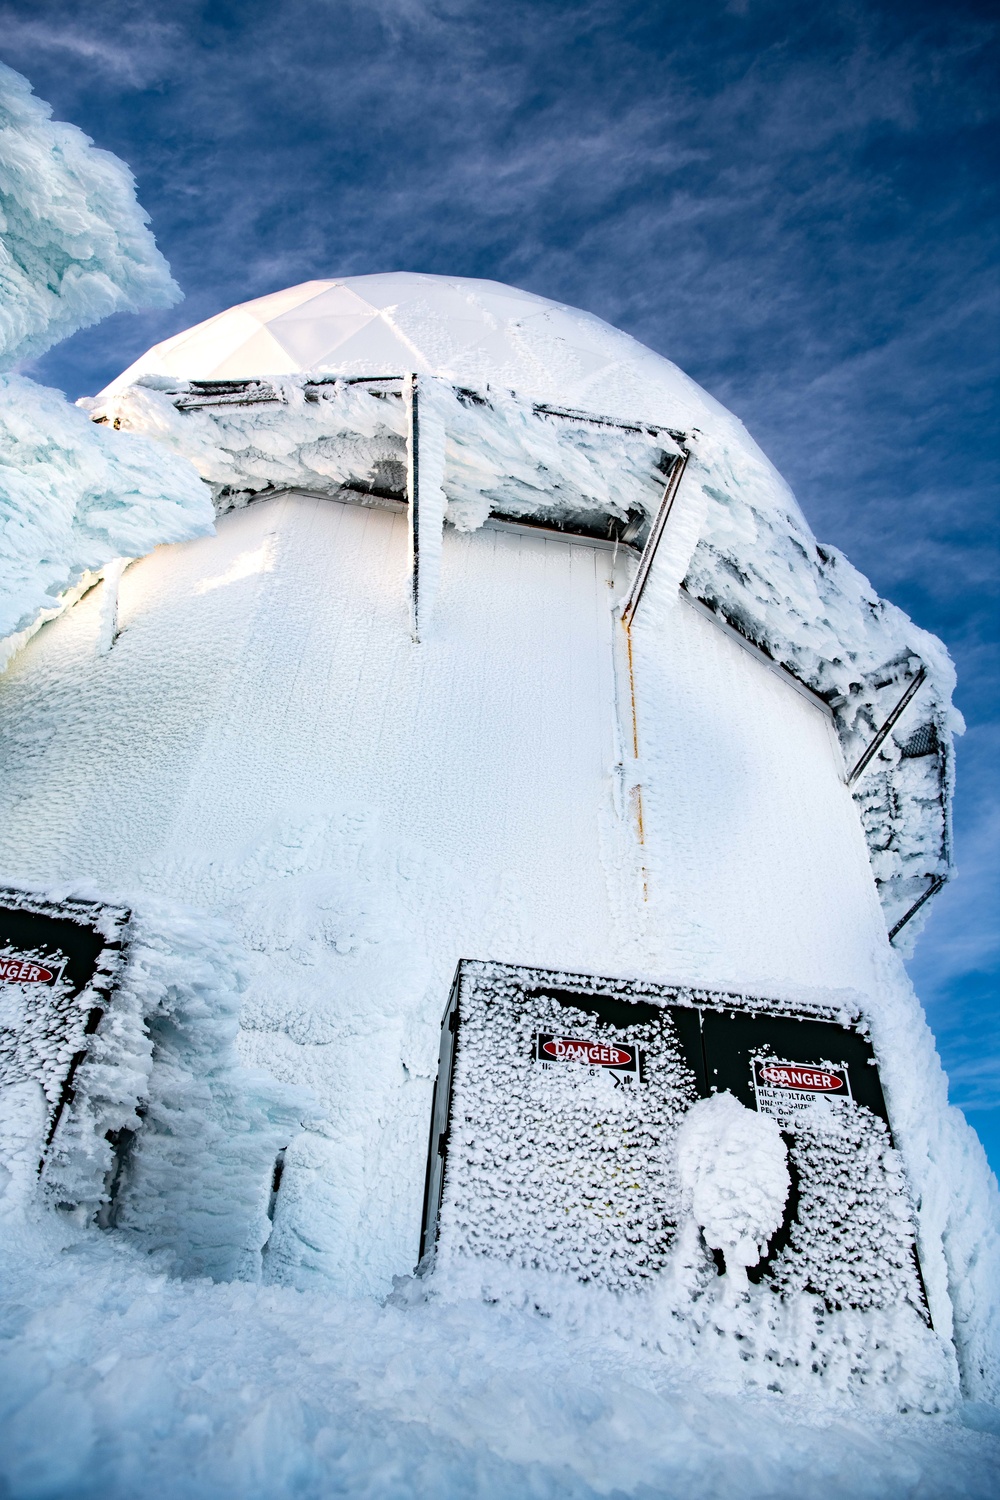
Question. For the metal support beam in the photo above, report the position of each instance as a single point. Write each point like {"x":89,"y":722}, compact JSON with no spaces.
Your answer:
{"x":411,"y":399}
{"x":880,"y":738}
{"x":653,"y":540}
{"x":937,"y":881}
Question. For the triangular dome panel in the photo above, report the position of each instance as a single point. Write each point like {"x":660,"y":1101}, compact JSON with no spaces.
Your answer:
{"x":211,"y":342}
{"x":261,"y":354}
{"x":376,"y":350}
{"x":334,"y":301}
{"x":309,"y":342}
{"x":277,"y":304}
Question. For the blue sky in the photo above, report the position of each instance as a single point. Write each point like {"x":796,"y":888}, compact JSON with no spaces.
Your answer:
{"x":795,"y":203}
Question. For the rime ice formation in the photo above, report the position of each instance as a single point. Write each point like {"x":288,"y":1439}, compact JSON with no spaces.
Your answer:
{"x":211,"y":1128}
{"x":74,"y":243}
{"x":74,"y":247}
{"x":734,"y":1172}
{"x":75,"y":497}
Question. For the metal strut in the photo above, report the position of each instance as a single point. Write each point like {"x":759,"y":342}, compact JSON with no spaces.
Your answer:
{"x":880,"y":738}
{"x":626,"y":616}
{"x":413,"y":497}
{"x":653,"y":540}
{"x":937,"y":881}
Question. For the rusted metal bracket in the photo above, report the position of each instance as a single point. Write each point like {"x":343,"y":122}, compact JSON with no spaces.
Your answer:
{"x":880,"y":738}
{"x":653,"y":540}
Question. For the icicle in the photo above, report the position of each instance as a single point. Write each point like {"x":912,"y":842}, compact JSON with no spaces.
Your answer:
{"x":107,"y":632}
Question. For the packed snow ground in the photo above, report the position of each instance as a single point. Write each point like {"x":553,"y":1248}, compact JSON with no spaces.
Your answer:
{"x":117,"y":1381}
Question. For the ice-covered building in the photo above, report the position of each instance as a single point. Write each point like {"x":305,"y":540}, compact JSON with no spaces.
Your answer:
{"x":509,"y":650}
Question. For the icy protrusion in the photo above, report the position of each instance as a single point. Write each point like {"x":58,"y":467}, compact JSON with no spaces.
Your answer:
{"x":325,"y":435}
{"x":108,"y":629}
{"x":74,"y":247}
{"x":74,"y":243}
{"x":73,"y":498}
{"x":425,"y":448}
{"x":734,"y":1173}
{"x":197,"y":1133}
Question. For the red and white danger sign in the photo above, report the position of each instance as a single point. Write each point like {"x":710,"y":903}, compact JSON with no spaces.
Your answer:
{"x":784,"y":1089}
{"x":621,"y":1064}
{"x":17,"y":970}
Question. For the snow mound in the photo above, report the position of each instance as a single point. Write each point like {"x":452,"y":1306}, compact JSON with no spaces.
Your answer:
{"x":734,"y":1172}
{"x":74,"y":243}
{"x":187,"y":1389}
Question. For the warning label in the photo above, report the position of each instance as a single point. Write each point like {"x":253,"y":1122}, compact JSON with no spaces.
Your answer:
{"x":621,"y":1065}
{"x":14,"y":969}
{"x":784,"y":1089}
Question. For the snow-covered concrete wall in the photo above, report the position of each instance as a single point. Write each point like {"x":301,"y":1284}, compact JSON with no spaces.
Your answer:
{"x":265,"y":745}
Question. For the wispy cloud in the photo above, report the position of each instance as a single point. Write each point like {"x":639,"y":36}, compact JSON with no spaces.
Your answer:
{"x":129,"y":47}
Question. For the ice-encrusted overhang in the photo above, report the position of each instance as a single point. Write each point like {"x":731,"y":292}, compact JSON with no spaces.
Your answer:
{"x":756,"y":566}
{"x":524,"y":460}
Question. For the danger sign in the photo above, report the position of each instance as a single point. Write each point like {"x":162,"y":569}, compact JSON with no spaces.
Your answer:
{"x":17,"y":970}
{"x":784,"y":1089}
{"x":620,"y":1063}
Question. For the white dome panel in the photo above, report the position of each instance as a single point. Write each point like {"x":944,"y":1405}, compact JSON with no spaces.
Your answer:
{"x":375,"y":350}
{"x":472,"y":332}
{"x":279,"y":303}
{"x":208,"y":343}
{"x":243,"y":362}
{"x":312,"y":342}
{"x":328,"y":302}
